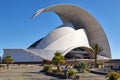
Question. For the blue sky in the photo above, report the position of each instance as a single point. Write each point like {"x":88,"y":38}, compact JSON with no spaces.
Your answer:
{"x":17,"y":30}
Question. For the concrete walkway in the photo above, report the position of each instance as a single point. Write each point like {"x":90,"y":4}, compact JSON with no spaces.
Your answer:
{"x":32,"y":72}
{"x":24,"y":72}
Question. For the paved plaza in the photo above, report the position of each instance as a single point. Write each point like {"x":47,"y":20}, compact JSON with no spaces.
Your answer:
{"x":32,"y":72}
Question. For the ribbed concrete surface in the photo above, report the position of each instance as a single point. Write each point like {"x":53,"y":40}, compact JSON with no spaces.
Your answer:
{"x":80,"y":18}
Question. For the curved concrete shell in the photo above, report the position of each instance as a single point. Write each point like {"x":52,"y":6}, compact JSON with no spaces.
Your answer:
{"x":63,"y":39}
{"x":80,"y":18}
{"x":79,"y":30}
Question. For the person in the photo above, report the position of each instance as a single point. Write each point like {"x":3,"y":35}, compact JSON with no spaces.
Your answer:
{"x":66,"y":71}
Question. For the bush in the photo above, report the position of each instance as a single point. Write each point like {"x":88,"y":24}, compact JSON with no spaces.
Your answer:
{"x":58,"y":59}
{"x":71,"y":72}
{"x":48,"y":68}
{"x":113,"y":76}
{"x":82,"y":66}
{"x":56,"y":71}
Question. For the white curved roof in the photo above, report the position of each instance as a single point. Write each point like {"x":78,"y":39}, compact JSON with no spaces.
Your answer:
{"x":63,"y":43}
{"x":80,"y":18}
{"x":63,"y":38}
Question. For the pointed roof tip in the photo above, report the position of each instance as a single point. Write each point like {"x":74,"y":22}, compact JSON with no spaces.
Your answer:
{"x":37,"y":13}
{"x":32,"y":16}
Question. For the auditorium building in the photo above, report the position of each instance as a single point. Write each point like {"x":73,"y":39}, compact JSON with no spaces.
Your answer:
{"x":79,"y":31}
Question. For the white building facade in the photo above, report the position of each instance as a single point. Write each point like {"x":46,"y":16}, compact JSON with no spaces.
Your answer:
{"x":79,"y":30}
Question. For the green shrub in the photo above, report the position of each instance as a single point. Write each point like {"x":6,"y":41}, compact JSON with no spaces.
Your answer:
{"x":58,"y":59}
{"x":56,"y":71}
{"x":82,"y":66}
{"x":8,"y":60}
{"x":71,"y":72}
{"x":48,"y":68}
{"x":113,"y":76}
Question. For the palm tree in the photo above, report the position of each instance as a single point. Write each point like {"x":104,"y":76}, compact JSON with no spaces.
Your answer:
{"x":8,"y":60}
{"x":96,"y":49}
{"x":58,"y":59}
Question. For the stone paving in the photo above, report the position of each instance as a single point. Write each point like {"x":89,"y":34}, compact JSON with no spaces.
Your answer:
{"x":32,"y":72}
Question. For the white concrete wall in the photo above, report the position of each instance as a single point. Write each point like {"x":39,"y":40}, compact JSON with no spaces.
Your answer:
{"x":20,"y":55}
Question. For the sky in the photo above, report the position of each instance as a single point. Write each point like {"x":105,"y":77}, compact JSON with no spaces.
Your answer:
{"x":18,"y":30}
